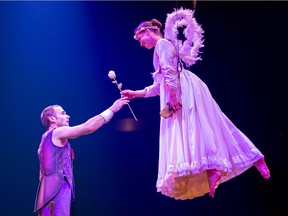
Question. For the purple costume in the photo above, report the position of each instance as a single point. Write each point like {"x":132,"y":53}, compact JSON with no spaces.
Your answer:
{"x":56,"y":176}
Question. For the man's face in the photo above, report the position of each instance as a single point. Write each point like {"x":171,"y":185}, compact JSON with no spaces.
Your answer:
{"x":61,"y":118}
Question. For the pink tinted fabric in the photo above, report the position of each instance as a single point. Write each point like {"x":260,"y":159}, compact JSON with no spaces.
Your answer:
{"x":198,"y":137}
{"x":55,"y":167}
{"x":62,"y":202}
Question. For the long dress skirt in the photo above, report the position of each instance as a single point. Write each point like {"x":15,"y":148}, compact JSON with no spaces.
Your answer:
{"x":197,"y":138}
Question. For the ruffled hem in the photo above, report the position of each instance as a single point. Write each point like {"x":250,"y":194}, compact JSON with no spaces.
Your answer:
{"x":189,"y":180}
{"x":184,"y":187}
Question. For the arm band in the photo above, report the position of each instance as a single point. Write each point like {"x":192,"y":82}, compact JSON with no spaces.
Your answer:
{"x":107,"y":115}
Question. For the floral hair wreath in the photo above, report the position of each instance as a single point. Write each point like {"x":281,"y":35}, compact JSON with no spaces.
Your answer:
{"x":144,"y":28}
{"x":188,"y":50}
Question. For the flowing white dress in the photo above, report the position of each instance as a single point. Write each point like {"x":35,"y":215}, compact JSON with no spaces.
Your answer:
{"x":196,"y":138}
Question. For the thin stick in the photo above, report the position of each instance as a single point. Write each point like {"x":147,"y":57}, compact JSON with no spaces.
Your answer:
{"x":119,"y":85}
{"x":132,"y":112}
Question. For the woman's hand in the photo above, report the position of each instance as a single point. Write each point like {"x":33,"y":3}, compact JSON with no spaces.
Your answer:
{"x":133,"y":94}
{"x":173,"y":102}
{"x":128,"y":93}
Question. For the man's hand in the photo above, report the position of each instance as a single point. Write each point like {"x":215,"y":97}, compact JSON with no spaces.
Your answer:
{"x":118,"y":104}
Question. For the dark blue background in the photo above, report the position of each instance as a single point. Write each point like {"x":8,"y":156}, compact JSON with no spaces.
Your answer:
{"x":60,"y":53}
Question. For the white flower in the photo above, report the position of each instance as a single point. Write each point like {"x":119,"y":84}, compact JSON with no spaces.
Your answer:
{"x":112,"y":74}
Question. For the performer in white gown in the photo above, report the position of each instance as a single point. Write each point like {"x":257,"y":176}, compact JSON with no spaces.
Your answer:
{"x":199,"y":146}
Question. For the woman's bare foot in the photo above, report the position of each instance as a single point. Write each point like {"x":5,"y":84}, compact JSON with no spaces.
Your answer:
{"x":262,"y":168}
{"x":213,"y":178}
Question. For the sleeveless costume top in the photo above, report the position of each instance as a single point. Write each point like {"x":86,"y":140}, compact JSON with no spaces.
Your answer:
{"x":56,"y":166}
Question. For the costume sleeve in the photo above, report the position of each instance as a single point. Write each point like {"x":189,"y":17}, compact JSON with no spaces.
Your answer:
{"x":154,"y":89}
{"x":166,"y":54}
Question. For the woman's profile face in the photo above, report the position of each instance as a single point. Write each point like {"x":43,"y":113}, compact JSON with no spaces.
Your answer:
{"x":145,"y":39}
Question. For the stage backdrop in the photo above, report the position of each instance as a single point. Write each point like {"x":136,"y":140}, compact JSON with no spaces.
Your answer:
{"x":54,"y":52}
